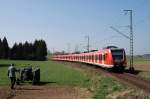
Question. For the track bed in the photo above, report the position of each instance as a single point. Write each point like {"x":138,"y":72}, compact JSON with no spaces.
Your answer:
{"x":127,"y":78}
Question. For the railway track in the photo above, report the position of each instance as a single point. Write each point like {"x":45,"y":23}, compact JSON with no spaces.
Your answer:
{"x":126,"y":78}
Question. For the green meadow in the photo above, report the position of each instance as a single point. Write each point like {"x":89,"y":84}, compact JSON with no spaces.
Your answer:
{"x":140,"y":60}
{"x":55,"y":73}
{"x":51,"y":72}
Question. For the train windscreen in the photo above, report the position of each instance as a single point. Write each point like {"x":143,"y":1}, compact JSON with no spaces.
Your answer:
{"x":117,"y":54}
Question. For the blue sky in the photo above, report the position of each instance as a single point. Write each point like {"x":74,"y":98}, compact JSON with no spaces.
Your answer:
{"x":64,"y":24}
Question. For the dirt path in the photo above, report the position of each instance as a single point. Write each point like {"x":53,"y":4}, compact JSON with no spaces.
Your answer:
{"x":45,"y":92}
{"x":5,"y":92}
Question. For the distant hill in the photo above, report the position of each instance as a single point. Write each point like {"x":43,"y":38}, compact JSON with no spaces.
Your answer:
{"x":146,"y":55}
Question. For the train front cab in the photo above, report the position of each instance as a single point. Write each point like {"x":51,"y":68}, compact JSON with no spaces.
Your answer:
{"x":118,"y":59}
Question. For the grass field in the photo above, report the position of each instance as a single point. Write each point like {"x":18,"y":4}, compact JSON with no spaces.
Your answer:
{"x":141,"y":60}
{"x":51,"y":72}
{"x":142,"y":65}
{"x":54,"y":73}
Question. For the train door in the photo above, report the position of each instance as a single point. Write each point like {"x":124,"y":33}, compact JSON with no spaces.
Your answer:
{"x":105,"y":58}
{"x":96,"y":58}
{"x":84,"y":58}
{"x":102,"y":58}
{"x":92,"y":58}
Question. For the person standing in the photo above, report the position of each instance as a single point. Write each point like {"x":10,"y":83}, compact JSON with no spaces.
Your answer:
{"x":12,"y":75}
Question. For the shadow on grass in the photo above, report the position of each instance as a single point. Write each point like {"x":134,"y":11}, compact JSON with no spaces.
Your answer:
{"x":41,"y":83}
{"x":24,"y":88}
{"x":4,"y":65}
{"x":135,"y":72}
{"x":44,"y":83}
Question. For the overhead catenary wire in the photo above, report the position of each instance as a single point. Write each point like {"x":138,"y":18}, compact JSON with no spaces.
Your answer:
{"x":142,"y":21}
{"x":141,"y":4}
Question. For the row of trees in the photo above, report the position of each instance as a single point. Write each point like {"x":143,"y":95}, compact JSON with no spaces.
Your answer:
{"x":23,"y":51}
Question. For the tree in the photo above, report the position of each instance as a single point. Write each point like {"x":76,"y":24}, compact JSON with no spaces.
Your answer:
{"x":20,"y":51}
{"x":0,"y":48}
{"x":4,"y":49}
{"x":43,"y":49}
{"x":37,"y":48}
{"x":13,"y":52}
{"x":40,"y":50}
{"x":26,"y":50}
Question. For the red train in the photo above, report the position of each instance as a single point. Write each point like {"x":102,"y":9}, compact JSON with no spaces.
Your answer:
{"x":110,"y":57}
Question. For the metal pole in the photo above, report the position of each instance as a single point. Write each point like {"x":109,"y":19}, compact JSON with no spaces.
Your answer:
{"x":88,"y":45}
{"x":131,"y":41}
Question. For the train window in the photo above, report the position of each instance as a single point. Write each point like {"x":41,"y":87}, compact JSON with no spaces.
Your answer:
{"x":117,"y":54}
{"x":104,"y":57}
{"x":92,"y":56}
{"x":100,"y":56}
{"x":96,"y":57}
{"x":84,"y":57}
{"x":87,"y":57}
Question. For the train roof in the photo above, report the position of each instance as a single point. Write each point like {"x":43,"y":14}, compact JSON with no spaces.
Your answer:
{"x":95,"y":51}
{"x":110,"y":47}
